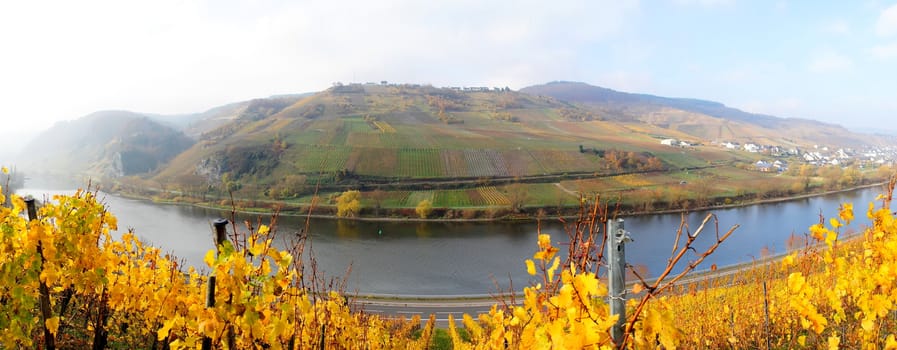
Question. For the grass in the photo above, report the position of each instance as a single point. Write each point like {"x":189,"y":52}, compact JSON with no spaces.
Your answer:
{"x":416,"y":197}
{"x":441,"y":340}
{"x":452,"y":199}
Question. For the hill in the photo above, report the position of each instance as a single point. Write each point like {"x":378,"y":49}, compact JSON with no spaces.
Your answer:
{"x":704,"y":119}
{"x":104,"y":144}
{"x":378,"y":133}
{"x":463,"y":149}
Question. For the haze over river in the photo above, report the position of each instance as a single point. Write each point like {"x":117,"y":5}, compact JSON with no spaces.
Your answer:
{"x":435,"y":258}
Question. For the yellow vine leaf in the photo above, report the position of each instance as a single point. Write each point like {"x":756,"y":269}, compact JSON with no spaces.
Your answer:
{"x":553,"y":268}
{"x":162,"y":333}
{"x":53,"y":324}
{"x":835,"y":223}
{"x":530,"y":267}
{"x":818,"y":232}
{"x":846,"y":212}
{"x":834,"y":342}
{"x":209,"y":259}
{"x":890,"y":343}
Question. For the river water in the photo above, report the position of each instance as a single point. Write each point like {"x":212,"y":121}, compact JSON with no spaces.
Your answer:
{"x":435,"y":258}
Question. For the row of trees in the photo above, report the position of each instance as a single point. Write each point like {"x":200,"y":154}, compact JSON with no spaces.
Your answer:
{"x":348,"y":204}
{"x":623,"y":160}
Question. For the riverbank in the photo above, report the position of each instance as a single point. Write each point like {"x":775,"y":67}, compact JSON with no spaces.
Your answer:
{"x":759,"y":201}
{"x":505,"y":218}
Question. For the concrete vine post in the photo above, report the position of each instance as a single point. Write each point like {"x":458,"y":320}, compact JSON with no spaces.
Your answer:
{"x":616,"y":276}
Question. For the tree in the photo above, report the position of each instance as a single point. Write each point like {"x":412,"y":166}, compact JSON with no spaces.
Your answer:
{"x":517,"y":195}
{"x":424,"y":208}
{"x":807,"y":170}
{"x":654,"y":163}
{"x":884,"y":172}
{"x":850,"y":177}
{"x":347,"y":204}
{"x":377,"y":196}
{"x":832,"y":176}
{"x":288,"y":187}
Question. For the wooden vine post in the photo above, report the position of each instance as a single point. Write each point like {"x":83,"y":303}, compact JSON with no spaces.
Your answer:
{"x":220,"y":237}
{"x":44,"y":290}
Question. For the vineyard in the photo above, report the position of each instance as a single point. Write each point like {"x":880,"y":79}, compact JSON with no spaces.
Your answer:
{"x":384,"y":127}
{"x":491,"y":196}
{"x":416,"y":197}
{"x":419,"y":163}
{"x":322,"y":158}
{"x":453,"y":199}
{"x":563,"y":161}
{"x":454,"y":163}
{"x":67,"y":282}
{"x":485,"y":163}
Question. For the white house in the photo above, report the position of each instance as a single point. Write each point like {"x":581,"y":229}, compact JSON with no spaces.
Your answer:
{"x":750,"y":147}
{"x":668,"y":142}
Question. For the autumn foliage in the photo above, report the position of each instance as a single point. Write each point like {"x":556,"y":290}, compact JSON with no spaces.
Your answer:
{"x":118,"y":292}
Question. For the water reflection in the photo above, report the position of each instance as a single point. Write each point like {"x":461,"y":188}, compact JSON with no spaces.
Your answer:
{"x":346,"y":229}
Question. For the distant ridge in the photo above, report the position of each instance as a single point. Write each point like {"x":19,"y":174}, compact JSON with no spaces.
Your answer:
{"x":701,"y":118}
{"x":106,"y":143}
{"x":588,"y":94}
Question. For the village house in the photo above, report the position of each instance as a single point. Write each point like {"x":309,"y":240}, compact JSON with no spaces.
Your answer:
{"x":763,"y":166}
{"x":668,"y":142}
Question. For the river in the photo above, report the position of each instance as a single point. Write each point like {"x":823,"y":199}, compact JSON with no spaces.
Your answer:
{"x":447,"y":259}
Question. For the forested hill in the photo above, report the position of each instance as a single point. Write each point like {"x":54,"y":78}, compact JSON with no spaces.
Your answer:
{"x":107,"y":143}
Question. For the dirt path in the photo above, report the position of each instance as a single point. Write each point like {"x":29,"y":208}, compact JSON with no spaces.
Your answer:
{"x":572,"y":193}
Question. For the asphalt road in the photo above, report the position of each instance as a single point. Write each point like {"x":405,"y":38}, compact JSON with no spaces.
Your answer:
{"x":441,"y":308}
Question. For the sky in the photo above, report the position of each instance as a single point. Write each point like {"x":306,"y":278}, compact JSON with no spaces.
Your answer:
{"x":833,"y":61}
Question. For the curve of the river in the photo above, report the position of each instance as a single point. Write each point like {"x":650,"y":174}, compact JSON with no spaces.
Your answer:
{"x":451,"y":258}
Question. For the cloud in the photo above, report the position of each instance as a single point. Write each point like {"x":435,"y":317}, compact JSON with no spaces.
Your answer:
{"x":838,"y":27}
{"x":786,"y":107}
{"x":830,"y":61}
{"x":174,"y":56}
{"x":887,"y":22}
{"x":708,"y":3}
{"x":884,"y":51}
{"x":627,"y":81}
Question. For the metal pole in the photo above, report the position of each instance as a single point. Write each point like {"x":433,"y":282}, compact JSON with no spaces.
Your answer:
{"x":616,"y":278}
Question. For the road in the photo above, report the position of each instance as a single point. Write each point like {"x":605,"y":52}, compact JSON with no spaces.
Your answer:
{"x":440,"y":307}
